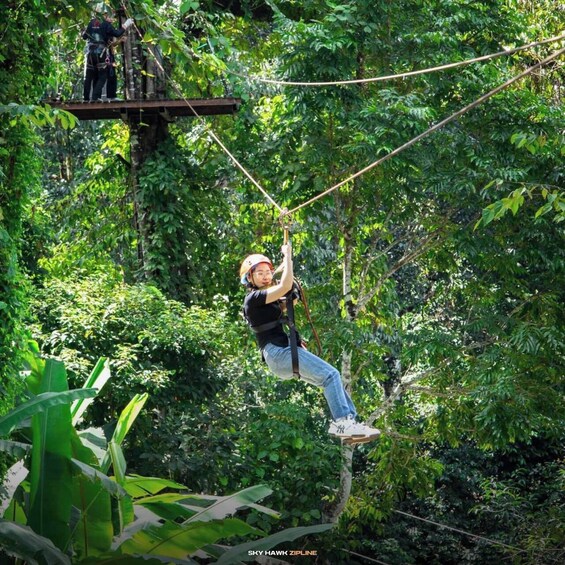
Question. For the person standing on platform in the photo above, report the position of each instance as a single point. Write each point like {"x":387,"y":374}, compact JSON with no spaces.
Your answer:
{"x":99,"y":62}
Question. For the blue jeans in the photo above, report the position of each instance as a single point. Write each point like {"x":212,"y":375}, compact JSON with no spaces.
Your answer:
{"x":315,"y":371}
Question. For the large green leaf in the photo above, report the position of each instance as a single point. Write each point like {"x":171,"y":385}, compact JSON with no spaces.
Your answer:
{"x":125,"y":421}
{"x":93,"y":532}
{"x":179,"y":541}
{"x":95,"y":440}
{"x":228,"y":505}
{"x":167,"y":510}
{"x":243,"y":551}
{"x":40,"y":403}
{"x":137,"y":486}
{"x":35,"y":366}
{"x":51,"y":475}
{"x":97,"y":379}
{"x":22,"y":542}
{"x":95,"y":475}
{"x":16,"y":512}
{"x":125,"y":504}
{"x":169,"y":505}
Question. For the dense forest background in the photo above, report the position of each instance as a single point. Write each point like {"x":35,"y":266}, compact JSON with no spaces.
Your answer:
{"x":436,"y":280}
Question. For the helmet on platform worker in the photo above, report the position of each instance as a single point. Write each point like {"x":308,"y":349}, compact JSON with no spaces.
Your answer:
{"x":102,"y":10}
{"x":249,"y":263}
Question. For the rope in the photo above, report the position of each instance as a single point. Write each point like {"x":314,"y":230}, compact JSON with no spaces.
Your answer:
{"x":461,"y":531}
{"x":208,"y":129}
{"x":309,"y":317}
{"x":505,"y":52}
{"x":390,"y":77}
{"x":439,"y":125}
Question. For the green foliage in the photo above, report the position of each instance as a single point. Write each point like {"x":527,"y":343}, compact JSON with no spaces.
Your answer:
{"x":19,"y":168}
{"x":454,"y":335}
{"x":91,"y":201}
{"x":24,"y":65}
{"x":154,"y":344}
{"x":285,"y":445}
{"x":54,"y":489}
{"x":486,"y":494}
{"x":186,"y":223}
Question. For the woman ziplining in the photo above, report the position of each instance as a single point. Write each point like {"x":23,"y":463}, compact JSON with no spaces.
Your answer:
{"x":286,"y":355}
{"x":262,"y":303}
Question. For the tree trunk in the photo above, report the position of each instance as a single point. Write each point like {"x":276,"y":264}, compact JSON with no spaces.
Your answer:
{"x":346,"y":471}
{"x":346,"y":480}
{"x":144,"y":79}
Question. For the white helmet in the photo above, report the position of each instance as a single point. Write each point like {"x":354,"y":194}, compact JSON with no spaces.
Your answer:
{"x":249,"y":263}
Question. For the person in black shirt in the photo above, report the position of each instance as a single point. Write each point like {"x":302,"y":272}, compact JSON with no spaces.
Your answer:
{"x":99,"y":60}
{"x":263,"y":312}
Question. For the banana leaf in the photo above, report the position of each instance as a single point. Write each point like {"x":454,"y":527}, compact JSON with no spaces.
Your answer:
{"x":137,"y":486}
{"x":167,"y":510}
{"x":125,"y":514}
{"x":95,"y":475}
{"x":179,"y":541}
{"x":15,"y":512}
{"x":40,"y":403}
{"x":22,"y":542}
{"x":125,"y":421}
{"x":95,"y":440}
{"x":242,"y":552}
{"x":92,"y":533}
{"x":167,"y":506}
{"x":186,"y":506}
{"x":51,"y":475}
{"x":35,"y":366}
{"x":228,"y":505}
{"x":97,"y":379}
{"x":143,"y":519}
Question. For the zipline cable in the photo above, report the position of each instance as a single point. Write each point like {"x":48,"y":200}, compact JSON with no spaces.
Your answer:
{"x":370,"y":559}
{"x":390,"y":77}
{"x":505,"y":52}
{"x":437,"y":126}
{"x":517,"y":549}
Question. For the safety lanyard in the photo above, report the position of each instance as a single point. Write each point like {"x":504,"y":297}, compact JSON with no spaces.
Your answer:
{"x":290,"y":317}
{"x":293,"y":335}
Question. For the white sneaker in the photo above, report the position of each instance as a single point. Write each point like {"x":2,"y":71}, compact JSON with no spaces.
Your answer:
{"x":371,"y":432}
{"x":348,"y":427}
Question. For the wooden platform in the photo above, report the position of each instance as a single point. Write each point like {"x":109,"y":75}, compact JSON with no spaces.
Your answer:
{"x":126,"y":109}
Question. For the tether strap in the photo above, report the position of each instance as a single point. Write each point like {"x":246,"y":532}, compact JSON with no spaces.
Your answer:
{"x":293,"y":335}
